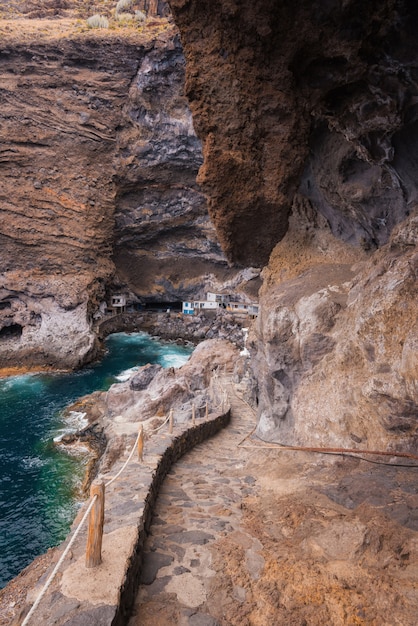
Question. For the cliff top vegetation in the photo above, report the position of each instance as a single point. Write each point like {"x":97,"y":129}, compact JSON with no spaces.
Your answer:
{"x":51,"y":19}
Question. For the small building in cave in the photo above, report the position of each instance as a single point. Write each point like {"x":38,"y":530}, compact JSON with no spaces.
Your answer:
{"x":118,"y":303}
{"x":215,"y":301}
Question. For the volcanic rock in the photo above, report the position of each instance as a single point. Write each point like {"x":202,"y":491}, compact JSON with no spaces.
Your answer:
{"x":335,"y":345}
{"x":317,"y":96}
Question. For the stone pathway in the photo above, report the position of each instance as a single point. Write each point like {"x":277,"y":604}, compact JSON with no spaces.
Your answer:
{"x":199,"y":505}
{"x":246,"y":536}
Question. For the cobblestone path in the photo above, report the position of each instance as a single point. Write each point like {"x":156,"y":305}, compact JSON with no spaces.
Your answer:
{"x":199,"y":505}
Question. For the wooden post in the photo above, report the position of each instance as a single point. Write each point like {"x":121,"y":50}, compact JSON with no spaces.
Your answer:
{"x":207,"y":410}
{"x":95,"y":530}
{"x":141,"y":443}
{"x":193,"y":414}
{"x":170,"y":422}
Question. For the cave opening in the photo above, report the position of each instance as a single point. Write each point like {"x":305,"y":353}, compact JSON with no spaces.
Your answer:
{"x":14,"y":331}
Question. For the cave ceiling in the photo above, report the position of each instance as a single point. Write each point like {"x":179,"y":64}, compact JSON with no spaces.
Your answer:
{"x":312,"y":97}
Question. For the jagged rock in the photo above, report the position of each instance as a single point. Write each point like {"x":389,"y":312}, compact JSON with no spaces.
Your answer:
{"x":123,"y":199}
{"x":316,"y":96}
{"x":145,"y":375}
{"x":164,"y":240}
{"x":123,"y":407}
{"x":335,"y":348}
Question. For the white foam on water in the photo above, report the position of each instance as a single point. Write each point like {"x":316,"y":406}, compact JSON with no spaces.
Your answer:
{"x":78,"y":450}
{"x":75,"y":420}
{"x":174,"y":360}
{"x":126,"y":374}
{"x":22,"y":380}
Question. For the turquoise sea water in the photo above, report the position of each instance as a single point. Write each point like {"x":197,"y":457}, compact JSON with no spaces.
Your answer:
{"x":38,"y":482}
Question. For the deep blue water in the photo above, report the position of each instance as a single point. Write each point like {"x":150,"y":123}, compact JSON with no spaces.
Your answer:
{"x":38,"y":481}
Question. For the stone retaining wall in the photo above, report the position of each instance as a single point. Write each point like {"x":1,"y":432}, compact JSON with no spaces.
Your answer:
{"x":105,"y":595}
{"x":172,"y":326}
{"x":181,"y":444}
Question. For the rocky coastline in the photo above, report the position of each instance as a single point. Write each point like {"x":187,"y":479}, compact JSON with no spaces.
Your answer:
{"x":114,"y":417}
{"x":99,"y":407}
{"x":178,"y":327}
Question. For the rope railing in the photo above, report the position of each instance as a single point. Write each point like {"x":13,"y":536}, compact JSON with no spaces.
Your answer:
{"x":360,"y":453}
{"x":95,"y":508}
{"x":58,"y":565}
{"x":93,"y":500}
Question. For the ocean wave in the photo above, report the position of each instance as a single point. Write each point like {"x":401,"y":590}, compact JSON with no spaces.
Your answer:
{"x":126,"y":374}
{"x":22,"y":380}
{"x":174,"y":360}
{"x":74,"y":421}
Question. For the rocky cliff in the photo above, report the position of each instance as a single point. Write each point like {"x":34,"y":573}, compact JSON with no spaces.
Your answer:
{"x":307,"y":118}
{"x":335,"y":347}
{"x":318,"y":96}
{"x":98,"y":163}
{"x":307,"y":114}
{"x":60,"y":108}
{"x":164,"y":244}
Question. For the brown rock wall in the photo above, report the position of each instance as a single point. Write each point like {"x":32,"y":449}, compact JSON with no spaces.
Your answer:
{"x":61,"y":105}
{"x":311,"y":95}
{"x":98,"y":164}
{"x":334,"y":346}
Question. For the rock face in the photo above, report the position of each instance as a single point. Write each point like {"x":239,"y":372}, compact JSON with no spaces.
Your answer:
{"x":98,"y":162}
{"x":60,"y":110}
{"x":150,"y":394}
{"x":164,"y":242}
{"x":335,"y":345}
{"x":319,"y":96}
{"x":307,"y":116}
{"x":309,"y":109}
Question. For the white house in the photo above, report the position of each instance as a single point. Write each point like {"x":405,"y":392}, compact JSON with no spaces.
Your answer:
{"x":118,"y":302}
{"x":220,"y":298}
{"x":189,"y":308}
{"x":215,"y":301}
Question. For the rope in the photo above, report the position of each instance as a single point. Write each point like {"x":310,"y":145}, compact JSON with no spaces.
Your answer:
{"x":155,"y":430}
{"x":73,"y":538}
{"x":77,"y":530}
{"x":59,"y":563}
{"x":337,"y":451}
{"x":112,"y":480}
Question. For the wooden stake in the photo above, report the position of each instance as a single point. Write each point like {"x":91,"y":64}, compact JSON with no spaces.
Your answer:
{"x":170,"y":422}
{"x":141,"y":443}
{"x":193,"y":414}
{"x":207,"y":410}
{"x":96,"y":521}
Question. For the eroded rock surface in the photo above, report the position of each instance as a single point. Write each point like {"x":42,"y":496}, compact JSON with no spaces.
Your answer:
{"x":60,"y":110}
{"x":165,"y":246}
{"x":99,"y":160}
{"x":336,"y":344}
{"x":312,"y":95}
